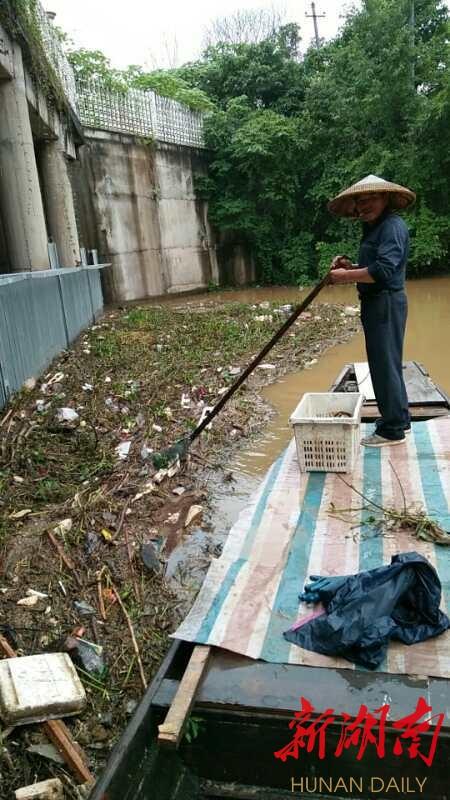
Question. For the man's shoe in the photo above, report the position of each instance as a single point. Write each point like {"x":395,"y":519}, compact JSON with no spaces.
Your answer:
{"x":408,"y":429}
{"x":379,"y":441}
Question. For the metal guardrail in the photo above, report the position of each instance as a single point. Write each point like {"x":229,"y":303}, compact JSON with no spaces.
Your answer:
{"x":41,"y":313}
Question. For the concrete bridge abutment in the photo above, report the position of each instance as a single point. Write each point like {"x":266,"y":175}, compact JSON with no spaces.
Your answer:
{"x":20,"y":195}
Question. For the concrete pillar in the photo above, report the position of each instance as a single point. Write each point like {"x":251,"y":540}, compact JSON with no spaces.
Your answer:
{"x":20,"y":194}
{"x":58,"y":201}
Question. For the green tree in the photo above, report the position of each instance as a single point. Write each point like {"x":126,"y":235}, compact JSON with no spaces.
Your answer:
{"x":374,"y":100}
{"x":285,"y":134}
{"x":268,"y":73}
{"x":93,"y":65}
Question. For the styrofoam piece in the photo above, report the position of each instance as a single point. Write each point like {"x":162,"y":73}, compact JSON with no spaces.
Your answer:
{"x":51,"y":789}
{"x":37,"y":688}
{"x":326,"y":441}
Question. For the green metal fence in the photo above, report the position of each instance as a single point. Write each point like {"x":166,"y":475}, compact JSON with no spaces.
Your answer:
{"x":41,"y":313}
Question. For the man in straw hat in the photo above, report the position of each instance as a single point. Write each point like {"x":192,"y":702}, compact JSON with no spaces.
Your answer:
{"x":380,"y":280}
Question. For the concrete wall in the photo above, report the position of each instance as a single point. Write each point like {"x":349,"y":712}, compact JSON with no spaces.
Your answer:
{"x":117,"y":210}
{"x":135,"y":203}
{"x":36,"y":203}
{"x":187,"y":241}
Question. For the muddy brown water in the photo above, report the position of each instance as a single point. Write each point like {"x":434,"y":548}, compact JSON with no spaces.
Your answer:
{"x":427,"y":341}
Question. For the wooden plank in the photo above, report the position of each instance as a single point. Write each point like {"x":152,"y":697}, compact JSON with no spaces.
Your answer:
{"x":343,"y":375}
{"x":236,"y":684}
{"x":171,"y":731}
{"x":420,"y":388}
{"x":364,"y":380}
{"x":418,"y":413}
{"x":59,"y":734}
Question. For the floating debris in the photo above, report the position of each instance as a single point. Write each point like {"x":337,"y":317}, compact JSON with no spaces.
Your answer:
{"x":20,"y":514}
{"x":192,"y":514}
{"x":28,"y":602}
{"x":123,"y":450}
{"x":150,"y":557}
{"x":66,"y":415}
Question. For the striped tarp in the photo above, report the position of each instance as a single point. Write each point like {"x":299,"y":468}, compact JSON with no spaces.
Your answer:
{"x":297,"y":525}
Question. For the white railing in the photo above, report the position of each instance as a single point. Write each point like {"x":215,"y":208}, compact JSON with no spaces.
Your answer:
{"x":136,"y":112}
{"x":56,"y":55}
{"x":140,"y":113}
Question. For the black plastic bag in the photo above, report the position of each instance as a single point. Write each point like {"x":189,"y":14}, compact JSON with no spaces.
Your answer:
{"x":364,"y":611}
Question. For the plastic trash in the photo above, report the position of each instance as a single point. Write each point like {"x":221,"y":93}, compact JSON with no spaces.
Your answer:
{"x":109,"y":403}
{"x":84,"y":654}
{"x":63,"y":527}
{"x":145,"y":452}
{"x":364,"y":611}
{"x":91,"y":542}
{"x":84,"y":609}
{"x":150,"y":557}
{"x":192,"y":514}
{"x":48,"y":751}
{"x":66,"y":415}
{"x":122,"y":450}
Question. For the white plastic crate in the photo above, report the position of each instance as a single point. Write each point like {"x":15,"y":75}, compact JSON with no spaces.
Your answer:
{"x":326,"y":441}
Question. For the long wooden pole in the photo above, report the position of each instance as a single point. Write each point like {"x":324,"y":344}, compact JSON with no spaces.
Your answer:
{"x":275,"y":338}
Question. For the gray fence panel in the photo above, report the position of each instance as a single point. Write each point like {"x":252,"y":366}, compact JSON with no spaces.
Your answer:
{"x":40,"y":314}
{"x":34,"y":328}
{"x":3,"y":395}
{"x":5,"y":353}
{"x":95,"y":283}
{"x":77,"y":301}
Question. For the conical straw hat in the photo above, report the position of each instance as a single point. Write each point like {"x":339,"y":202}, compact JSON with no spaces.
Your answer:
{"x":344,"y":204}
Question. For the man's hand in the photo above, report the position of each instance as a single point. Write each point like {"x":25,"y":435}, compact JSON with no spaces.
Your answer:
{"x":338,"y":275}
{"x":341,"y":262}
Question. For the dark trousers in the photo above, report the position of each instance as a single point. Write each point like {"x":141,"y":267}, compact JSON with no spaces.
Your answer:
{"x":383,"y":317}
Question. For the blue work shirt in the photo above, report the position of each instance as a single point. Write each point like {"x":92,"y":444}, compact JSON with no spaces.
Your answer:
{"x":384,"y":251}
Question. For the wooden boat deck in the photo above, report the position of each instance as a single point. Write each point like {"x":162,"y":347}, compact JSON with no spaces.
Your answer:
{"x":426,"y":399}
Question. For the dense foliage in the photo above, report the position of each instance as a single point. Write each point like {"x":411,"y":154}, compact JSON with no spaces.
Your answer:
{"x":93,"y":65}
{"x":288,"y":133}
{"x":20,"y":20}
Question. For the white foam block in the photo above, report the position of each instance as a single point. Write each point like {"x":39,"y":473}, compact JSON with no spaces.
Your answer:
{"x":36,"y":688}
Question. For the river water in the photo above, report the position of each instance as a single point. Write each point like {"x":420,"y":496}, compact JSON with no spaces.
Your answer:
{"x":427,"y":341}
